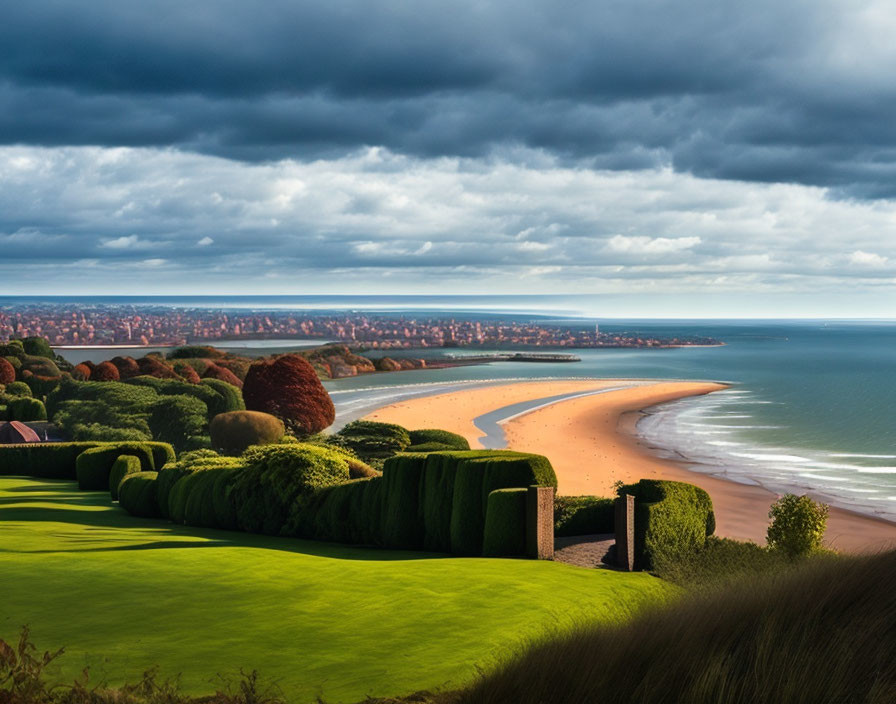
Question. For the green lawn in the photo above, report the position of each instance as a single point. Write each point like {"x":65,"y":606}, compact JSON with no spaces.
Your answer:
{"x":123,"y":594}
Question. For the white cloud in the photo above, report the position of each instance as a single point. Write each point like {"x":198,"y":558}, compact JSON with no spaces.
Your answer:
{"x":205,"y":241}
{"x":869,"y":259}
{"x":128,"y":242}
{"x":650,"y":245}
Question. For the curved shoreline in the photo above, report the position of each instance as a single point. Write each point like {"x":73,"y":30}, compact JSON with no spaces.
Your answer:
{"x":592,"y":442}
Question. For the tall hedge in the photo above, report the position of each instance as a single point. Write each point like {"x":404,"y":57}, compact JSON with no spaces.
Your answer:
{"x":505,"y":523}
{"x":124,"y":465}
{"x":137,"y":494}
{"x":403,"y":523}
{"x":672,"y":519}
{"x":26,"y":409}
{"x":235,"y":431}
{"x":93,"y":466}
{"x":55,"y":460}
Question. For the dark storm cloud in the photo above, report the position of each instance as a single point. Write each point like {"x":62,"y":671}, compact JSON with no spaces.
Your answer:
{"x":765,"y":91}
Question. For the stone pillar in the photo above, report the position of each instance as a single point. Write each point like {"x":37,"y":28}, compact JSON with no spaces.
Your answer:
{"x":625,"y":532}
{"x":540,"y":522}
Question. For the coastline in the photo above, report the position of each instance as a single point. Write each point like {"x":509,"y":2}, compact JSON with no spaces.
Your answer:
{"x":592,"y":442}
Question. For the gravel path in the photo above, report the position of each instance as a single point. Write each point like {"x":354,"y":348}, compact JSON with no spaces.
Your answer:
{"x":583,"y":550}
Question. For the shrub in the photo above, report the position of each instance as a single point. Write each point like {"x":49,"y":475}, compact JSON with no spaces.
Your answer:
{"x":583,"y":515}
{"x":442,"y":437}
{"x":186,"y":372}
{"x":227,"y":397}
{"x":105,"y":371}
{"x":340,"y":513}
{"x":13,"y":348}
{"x":105,"y":433}
{"x":40,"y":366}
{"x":430,"y":447}
{"x":175,"y":419}
{"x":191,"y":351}
{"x":38,"y":347}
{"x":221,"y":374}
{"x":18,"y":388}
{"x":81,"y":372}
{"x":124,"y":465}
{"x":235,"y":431}
{"x":288,"y":387}
{"x":505,"y":523}
{"x":208,"y":501}
{"x":371,"y":440}
{"x":7,"y":372}
{"x":798,"y":525}
{"x":723,"y":561}
{"x":358,"y":469}
{"x":278,"y":476}
{"x":150,"y":365}
{"x":238,"y":365}
{"x":127,"y":367}
{"x":403,"y":525}
{"x":672,"y":520}
{"x":26,"y":409}
{"x":137,"y":494}
{"x":41,"y":386}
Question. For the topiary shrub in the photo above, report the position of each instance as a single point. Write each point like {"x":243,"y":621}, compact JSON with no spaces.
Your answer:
{"x":672,"y":520}
{"x":18,"y":388}
{"x":505,"y":524}
{"x":371,"y":440}
{"x":81,"y":372}
{"x":169,"y":475}
{"x":358,"y":469}
{"x":150,"y":365}
{"x":442,"y":437}
{"x":40,"y":366}
{"x":93,"y":466}
{"x":227,"y":397}
{"x":288,"y":387}
{"x":127,"y":367}
{"x":340,"y":513}
{"x":124,"y":465}
{"x":213,"y":371}
{"x":798,"y":525}
{"x":137,"y":494}
{"x":191,"y":351}
{"x":430,"y":447}
{"x":583,"y":515}
{"x":13,"y":348}
{"x":52,"y":460}
{"x":279,"y":476}
{"x":7,"y":372}
{"x":235,"y":431}
{"x":207,"y":496}
{"x":105,"y":371}
{"x":25,"y":409}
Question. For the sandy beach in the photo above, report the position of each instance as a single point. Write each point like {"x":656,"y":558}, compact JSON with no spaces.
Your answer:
{"x":591,"y":442}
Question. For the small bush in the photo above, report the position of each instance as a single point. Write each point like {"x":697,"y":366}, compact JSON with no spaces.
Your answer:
{"x":213,"y":371}
{"x":26,"y":409}
{"x":583,"y":515}
{"x":105,"y":371}
{"x":228,"y":397}
{"x":137,"y":494}
{"x":443,"y":437}
{"x":371,"y":440}
{"x":235,"y":431}
{"x":18,"y":388}
{"x":37,"y":347}
{"x":798,"y":525}
{"x":505,"y":524}
{"x":127,"y":367}
{"x":124,"y":465}
{"x":81,"y":372}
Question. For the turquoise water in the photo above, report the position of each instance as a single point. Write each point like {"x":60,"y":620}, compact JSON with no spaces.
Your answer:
{"x":812,"y":407}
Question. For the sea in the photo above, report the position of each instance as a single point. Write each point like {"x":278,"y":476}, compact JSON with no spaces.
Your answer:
{"x":811,"y":406}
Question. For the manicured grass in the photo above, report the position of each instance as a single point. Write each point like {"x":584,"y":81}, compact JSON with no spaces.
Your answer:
{"x":122,"y":594}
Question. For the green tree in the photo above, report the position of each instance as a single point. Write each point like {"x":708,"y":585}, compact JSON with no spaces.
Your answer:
{"x":798,"y":525}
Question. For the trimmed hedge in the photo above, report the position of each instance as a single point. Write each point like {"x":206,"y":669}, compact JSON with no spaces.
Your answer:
{"x":430,"y":447}
{"x":476,"y":478}
{"x":672,"y":519}
{"x":18,"y":388}
{"x":234,"y":431}
{"x":137,"y":494}
{"x":442,"y":437}
{"x":93,"y":466}
{"x":124,"y":465}
{"x":277,"y":477}
{"x":229,"y":397}
{"x":583,"y":515}
{"x":345,"y":513}
{"x":505,"y":523}
{"x":403,"y":524}
{"x":26,"y":409}
{"x":202,"y":497}
{"x":55,"y":460}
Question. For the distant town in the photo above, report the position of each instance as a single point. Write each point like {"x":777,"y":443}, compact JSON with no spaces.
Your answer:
{"x":160,"y":327}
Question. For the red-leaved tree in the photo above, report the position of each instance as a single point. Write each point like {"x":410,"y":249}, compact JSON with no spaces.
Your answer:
{"x":105,"y":371}
{"x":81,"y":372}
{"x":216,"y":372}
{"x":186,"y":372}
{"x":288,"y":387}
{"x":7,"y":372}
{"x":153,"y":366}
{"x":126,"y":366}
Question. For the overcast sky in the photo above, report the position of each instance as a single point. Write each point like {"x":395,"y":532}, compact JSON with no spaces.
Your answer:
{"x":738,"y":153}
